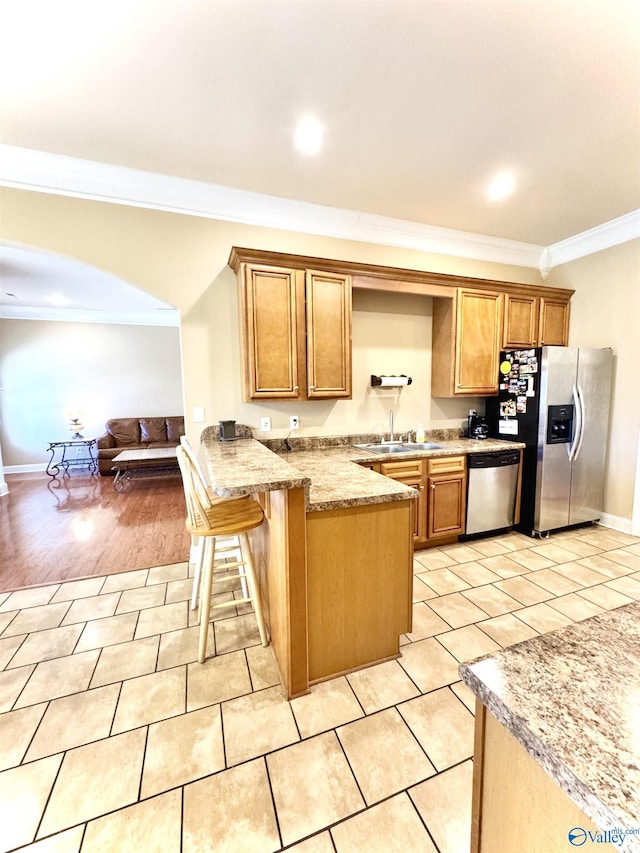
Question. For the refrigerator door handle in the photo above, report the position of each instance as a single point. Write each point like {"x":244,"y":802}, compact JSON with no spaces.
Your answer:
{"x":579,"y":415}
{"x":581,"y":425}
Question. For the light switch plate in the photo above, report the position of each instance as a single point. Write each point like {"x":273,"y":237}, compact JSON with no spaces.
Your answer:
{"x":198,"y":414}
{"x":265,"y":424}
{"x":294,"y":422}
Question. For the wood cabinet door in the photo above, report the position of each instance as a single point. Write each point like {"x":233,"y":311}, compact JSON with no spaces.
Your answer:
{"x":554,"y":323}
{"x":328,"y":335}
{"x":478,"y":340}
{"x":412,"y":473}
{"x":270,"y":316}
{"x":521,"y":321}
{"x":446,"y":501}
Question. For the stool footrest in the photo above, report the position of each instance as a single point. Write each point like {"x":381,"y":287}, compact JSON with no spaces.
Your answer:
{"x":229,"y":577}
{"x":233,"y":603}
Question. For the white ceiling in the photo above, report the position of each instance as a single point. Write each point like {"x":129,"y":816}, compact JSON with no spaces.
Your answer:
{"x":32,"y":284}
{"x":422,"y":101}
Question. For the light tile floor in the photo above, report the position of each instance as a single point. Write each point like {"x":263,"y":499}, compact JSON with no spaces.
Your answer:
{"x":112,"y":737}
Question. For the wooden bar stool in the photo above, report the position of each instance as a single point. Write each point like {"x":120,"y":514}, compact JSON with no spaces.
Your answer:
{"x":226,"y":546}
{"x":207,"y":520}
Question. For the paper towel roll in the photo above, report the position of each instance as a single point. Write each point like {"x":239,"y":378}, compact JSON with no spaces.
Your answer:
{"x":390,"y":381}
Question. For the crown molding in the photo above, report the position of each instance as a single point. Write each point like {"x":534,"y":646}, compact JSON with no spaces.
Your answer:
{"x":23,"y":168}
{"x":604,"y":236}
{"x":40,"y":171}
{"x":164,"y":317}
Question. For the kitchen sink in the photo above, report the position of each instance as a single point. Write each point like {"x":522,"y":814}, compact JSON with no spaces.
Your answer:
{"x":398,"y":448}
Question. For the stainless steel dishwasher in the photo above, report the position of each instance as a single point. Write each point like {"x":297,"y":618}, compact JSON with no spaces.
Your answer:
{"x":491,"y":490}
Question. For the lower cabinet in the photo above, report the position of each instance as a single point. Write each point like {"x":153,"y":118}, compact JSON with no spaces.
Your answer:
{"x":358,"y":584}
{"x":441,"y":482}
{"x":411,"y":473}
{"x":446,"y":496}
{"x":516,"y":804}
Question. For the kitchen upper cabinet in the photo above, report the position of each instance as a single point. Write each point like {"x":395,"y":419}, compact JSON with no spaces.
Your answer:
{"x":467,"y":338}
{"x":446,"y":496}
{"x":270,"y":316}
{"x":296,"y":323}
{"x":554,"y":322}
{"x":328,"y":334}
{"x":296,"y":333}
{"x":531,"y":321}
{"x":521,"y":321}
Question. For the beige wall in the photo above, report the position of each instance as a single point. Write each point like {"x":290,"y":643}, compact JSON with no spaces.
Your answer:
{"x":605,"y":311}
{"x":107,"y":370}
{"x":183,"y":260}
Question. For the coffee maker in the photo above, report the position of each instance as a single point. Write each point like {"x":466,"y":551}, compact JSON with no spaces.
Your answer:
{"x":477,"y":426}
{"x":227,"y":430}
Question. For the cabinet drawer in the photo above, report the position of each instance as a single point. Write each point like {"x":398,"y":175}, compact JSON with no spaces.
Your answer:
{"x":402,"y":470}
{"x":372,"y":466}
{"x":446,"y":464}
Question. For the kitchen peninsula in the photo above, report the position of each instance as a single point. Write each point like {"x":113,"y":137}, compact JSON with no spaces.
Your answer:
{"x":334,"y":556}
{"x":557,"y":752}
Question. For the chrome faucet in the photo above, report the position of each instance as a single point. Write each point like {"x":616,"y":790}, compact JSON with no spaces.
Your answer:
{"x":391,"y":425}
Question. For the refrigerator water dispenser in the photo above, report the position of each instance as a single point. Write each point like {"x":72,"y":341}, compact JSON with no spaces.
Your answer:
{"x":559,"y":424}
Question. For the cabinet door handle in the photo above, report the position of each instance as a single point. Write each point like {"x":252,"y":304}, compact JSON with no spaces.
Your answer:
{"x":421,"y":488}
{"x":312,"y":387}
{"x":295,"y":387}
{"x":433,"y":485}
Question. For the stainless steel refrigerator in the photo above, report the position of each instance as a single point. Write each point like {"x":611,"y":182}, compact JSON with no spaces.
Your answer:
{"x":557,"y":401}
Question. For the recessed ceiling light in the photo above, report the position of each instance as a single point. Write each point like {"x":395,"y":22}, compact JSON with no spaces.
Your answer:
{"x":308,"y":135}
{"x":501,"y":186}
{"x":58,"y":300}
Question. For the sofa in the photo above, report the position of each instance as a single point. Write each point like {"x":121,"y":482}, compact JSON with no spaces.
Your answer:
{"x":135,"y":434}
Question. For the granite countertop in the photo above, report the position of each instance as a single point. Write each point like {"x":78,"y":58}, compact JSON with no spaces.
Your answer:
{"x":337,"y":482}
{"x":572,"y":699}
{"x":328,"y":476}
{"x":245,"y":466}
{"x":323,"y":467}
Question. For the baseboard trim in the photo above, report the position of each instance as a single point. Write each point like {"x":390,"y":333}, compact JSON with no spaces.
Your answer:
{"x":25,"y":469}
{"x":622,"y":525}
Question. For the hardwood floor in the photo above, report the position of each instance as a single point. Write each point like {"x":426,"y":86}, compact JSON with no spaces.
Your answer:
{"x":78,"y":526}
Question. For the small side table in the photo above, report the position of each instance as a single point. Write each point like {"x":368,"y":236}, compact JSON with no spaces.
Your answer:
{"x":85,"y":457}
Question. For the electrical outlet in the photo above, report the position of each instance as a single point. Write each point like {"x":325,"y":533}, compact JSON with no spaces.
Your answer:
{"x":198,"y":414}
{"x":294,"y":422}
{"x":265,"y":424}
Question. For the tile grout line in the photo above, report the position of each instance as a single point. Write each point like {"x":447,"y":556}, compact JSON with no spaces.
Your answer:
{"x":48,"y":798}
{"x":273,"y":799}
{"x":32,"y":738}
{"x":144,"y":758}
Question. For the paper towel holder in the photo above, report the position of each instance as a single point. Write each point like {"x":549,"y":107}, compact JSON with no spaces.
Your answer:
{"x":390,"y":381}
